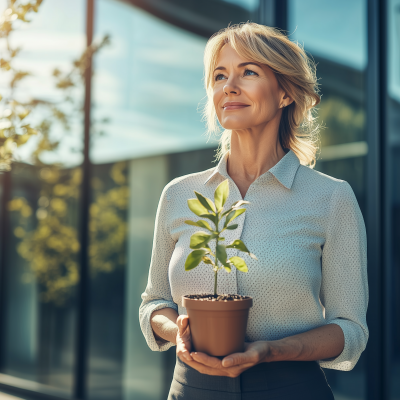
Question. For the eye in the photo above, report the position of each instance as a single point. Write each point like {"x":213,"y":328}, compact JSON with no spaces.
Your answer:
{"x":217,"y":77}
{"x":251,"y":72}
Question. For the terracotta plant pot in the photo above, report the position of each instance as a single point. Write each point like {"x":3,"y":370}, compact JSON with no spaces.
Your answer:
{"x":218,"y":328}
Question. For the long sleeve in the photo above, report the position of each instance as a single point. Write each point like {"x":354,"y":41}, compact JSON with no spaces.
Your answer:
{"x":344,"y":288}
{"x":158,"y":293}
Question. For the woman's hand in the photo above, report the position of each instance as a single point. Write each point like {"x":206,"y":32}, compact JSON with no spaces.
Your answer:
{"x":232,"y":365}
{"x":183,"y":339}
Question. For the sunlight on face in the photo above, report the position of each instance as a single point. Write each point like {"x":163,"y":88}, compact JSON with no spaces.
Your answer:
{"x":246,"y":94}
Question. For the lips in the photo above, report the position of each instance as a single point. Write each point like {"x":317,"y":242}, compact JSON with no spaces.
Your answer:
{"x":234,"y":105}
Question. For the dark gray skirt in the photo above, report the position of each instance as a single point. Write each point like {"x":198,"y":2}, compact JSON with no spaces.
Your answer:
{"x":283,"y":380}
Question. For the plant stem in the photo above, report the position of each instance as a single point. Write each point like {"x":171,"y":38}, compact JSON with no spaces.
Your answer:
{"x":215,"y":277}
{"x":216,"y":259}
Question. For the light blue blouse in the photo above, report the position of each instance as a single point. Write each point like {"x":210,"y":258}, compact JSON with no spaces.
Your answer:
{"x":308,"y":234}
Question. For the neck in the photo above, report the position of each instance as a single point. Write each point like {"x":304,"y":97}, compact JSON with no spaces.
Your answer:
{"x":253,"y":152}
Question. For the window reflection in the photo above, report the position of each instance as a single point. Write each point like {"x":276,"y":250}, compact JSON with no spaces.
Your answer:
{"x":41,"y":279}
{"x":42,"y":202}
{"x":107,"y":260}
{"x":340,"y":54}
{"x":341,"y":57}
{"x":149,"y":82}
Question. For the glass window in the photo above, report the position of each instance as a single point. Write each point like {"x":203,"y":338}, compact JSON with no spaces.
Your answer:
{"x":335,"y":34}
{"x":41,"y":252}
{"x":340,"y":55}
{"x":148,"y":83}
{"x":393,"y":189}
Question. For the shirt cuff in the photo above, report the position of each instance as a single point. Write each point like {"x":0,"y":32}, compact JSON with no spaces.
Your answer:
{"x":144,"y":317}
{"x":348,"y":358}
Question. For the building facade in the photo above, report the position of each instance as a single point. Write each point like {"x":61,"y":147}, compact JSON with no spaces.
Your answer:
{"x":77,"y":227}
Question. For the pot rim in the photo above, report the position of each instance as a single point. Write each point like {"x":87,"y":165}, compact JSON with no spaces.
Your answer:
{"x":226,"y":305}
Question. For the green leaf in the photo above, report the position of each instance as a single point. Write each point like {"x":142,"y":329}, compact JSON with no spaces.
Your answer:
{"x":196,"y":207}
{"x":227,"y":268}
{"x":232,"y":227}
{"x":201,"y":224}
{"x":221,"y":194}
{"x":204,"y":224}
{"x":205,"y":202}
{"x":221,"y":253}
{"x":232,"y":215}
{"x":194,"y":258}
{"x":199,"y":240}
{"x":207,"y":260}
{"x":239,"y":263}
{"x":189,"y":222}
{"x":221,"y":239}
{"x":211,"y":217}
{"x":239,"y":245}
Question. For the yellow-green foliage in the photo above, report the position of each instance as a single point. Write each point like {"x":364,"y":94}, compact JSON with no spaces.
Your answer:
{"x":107,"y":227}
{"x":17,"y":113}
{"x":48,"y":233}
{"x":14,"y":129}
{"x":51,"y":248}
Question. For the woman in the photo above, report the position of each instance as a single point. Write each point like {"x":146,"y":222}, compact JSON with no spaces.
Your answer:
{"x":309,"y":283}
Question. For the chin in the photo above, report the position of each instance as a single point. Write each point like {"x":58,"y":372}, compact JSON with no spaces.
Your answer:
{"x":235,"y":125}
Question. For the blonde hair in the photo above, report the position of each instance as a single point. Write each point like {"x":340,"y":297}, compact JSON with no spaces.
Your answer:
{"x":295,"y":73}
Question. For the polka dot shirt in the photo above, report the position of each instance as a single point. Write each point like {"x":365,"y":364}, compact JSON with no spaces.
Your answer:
{"x":308,"y":233}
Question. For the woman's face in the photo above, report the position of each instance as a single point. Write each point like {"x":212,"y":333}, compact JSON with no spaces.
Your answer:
{"x":246,"y":93}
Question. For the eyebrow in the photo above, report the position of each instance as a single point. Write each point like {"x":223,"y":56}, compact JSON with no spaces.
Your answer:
{"x":241,"y":65}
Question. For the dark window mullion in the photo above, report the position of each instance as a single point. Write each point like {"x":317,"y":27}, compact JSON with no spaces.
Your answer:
{"x":375,"y":95}
{"x":281,"y":14}
{"x":4,"y":234}
{"x":82,"y":328}
{"x":387,"y":232}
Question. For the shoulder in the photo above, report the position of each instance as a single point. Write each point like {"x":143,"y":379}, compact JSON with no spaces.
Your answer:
{"x":336,"y":195}
{"x":321,"y":188}
{"x":311,"y":177}
{"x":187,"y":183}
{"x":318,"y":182}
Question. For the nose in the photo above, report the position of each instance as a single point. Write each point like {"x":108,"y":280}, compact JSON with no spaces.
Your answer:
{"x":230,"y":88}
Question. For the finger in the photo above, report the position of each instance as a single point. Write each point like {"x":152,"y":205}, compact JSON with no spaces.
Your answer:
{"x":207,"y":360}
{"x":183,"y":351}
{"x":183,"y":348}
{"x":184,"y":355}
{"x":204,"y":369}
{"x":236,"y":359}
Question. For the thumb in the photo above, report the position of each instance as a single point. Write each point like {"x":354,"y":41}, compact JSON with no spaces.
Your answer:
{"x":235,"y":359}
{"x":182,"y":322}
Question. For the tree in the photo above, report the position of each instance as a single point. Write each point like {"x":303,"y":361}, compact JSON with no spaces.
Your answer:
{"x":48,"y":237}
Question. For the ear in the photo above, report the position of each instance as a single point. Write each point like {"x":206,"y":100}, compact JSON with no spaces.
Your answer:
{"x":285,"y":100}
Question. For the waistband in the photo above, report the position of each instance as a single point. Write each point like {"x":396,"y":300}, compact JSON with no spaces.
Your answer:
{"x":263,"y":376}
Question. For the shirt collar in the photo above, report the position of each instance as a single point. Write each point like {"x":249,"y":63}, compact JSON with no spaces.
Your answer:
{"x":284,"y":171}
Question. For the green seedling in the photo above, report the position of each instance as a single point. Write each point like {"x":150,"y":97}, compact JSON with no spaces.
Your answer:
{"x":200,"y":241}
